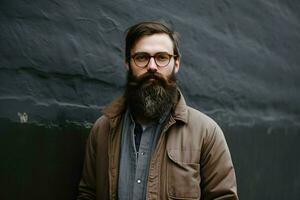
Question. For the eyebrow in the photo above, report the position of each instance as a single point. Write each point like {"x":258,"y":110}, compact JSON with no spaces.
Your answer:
{"x":151,"y":54}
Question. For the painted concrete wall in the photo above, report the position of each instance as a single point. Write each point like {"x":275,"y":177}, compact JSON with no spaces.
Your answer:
{"x":62,"y":61}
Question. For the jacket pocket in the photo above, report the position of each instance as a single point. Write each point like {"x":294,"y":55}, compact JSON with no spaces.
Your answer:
{"x":183,"y":179}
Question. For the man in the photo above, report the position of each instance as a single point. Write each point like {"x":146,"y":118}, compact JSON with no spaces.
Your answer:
{"x":149,"y":144}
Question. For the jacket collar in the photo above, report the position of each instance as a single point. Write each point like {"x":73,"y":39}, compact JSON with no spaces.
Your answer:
{"x":118,"y":107}
{"x":180,"y":111}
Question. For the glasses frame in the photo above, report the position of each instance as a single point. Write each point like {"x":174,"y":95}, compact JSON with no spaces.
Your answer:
{"x":153,"y":56}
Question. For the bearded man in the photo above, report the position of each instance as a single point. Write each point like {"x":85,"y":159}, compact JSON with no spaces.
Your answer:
{"x":149,"y":144}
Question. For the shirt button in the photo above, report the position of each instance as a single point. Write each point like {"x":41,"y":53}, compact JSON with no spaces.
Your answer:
{"x":138,"y":181}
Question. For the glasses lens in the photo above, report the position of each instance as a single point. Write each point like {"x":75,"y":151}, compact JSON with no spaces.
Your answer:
{"x":162,"y":59}
{"x":141,"y":59}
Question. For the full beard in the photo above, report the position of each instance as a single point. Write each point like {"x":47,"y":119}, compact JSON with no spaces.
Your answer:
{"x":150,"y":96}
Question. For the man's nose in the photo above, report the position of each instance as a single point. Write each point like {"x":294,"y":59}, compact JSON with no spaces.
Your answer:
{"x":152,"y":65}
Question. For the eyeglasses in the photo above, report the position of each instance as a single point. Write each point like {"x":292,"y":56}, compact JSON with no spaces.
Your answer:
{"x":142,"y":59}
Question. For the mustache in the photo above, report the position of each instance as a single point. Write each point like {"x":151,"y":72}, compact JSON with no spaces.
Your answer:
{"x":136,"y":81}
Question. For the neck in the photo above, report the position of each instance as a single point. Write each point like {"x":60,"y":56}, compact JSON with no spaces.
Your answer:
{"x":143,"y":120}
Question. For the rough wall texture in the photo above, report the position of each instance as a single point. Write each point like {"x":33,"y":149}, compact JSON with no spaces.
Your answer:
{"x":61,"y":61}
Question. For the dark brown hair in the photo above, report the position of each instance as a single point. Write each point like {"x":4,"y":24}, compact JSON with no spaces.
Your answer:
{"x":144,"y":28}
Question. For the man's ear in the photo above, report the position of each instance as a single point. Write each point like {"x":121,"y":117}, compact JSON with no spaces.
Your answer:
{"x":126,"y":65}
{"x":177,"y":64}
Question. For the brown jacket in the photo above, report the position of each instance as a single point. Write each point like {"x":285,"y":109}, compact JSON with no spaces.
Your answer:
{"x":191,"y":159}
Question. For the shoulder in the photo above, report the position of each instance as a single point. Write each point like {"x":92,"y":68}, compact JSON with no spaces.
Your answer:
{"x":203,"y":126}
{"x":206,"y":130}
{"x":194,"y":121}
{"x":100,"y":128}
{"x":199,"y":119}
{"x":100,"y":122}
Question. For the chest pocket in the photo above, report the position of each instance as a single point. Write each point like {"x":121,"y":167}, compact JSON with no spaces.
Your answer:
{"x":183,"y":178}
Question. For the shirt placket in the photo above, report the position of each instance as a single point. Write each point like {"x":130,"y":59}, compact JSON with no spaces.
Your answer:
{"x":143,"y":156}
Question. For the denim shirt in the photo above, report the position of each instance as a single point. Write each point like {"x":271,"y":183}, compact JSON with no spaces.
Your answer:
{"x":134,"y":163}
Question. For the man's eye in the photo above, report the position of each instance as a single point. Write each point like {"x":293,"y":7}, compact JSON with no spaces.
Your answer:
{"x":162,"y":57}
{"x":141,"y":57}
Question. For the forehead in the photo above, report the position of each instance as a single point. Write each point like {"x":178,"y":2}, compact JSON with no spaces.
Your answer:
{"x":160,"y":42}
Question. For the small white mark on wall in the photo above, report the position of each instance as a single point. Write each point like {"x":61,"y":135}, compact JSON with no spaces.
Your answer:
{"x":23,"y":117}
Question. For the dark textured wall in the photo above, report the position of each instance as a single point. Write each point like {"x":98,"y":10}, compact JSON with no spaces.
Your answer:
{"x":61,"y":61}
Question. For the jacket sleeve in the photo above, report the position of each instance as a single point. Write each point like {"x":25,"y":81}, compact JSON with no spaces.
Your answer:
{"x":218,"y":181}
{"x":86,"y":189}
